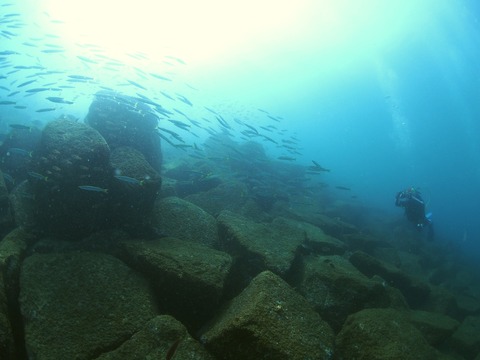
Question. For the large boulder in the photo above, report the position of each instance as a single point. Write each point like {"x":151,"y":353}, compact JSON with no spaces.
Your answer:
{"x":6,"y":218}
{"x":70,"y":179}
{"x":230,"y":196}
{"x":179,"y":218}
{"x":415,"y":291}
{"x":466,"y":340}
{"x":16,"y":152}
{"x":163,"y":337}
{"x":259,"y":246}
{"x":336,"y":289}
{"x":436,"y":328}
{"x":134,"y":189}
{"x":127,"y":121}
{"x":79,"y":305}
{"x":382,"y":334}
{"x":269,"y":320}
{"x":7,"y":342}
{"x":316,"y":241}
{"x":187,"y":277}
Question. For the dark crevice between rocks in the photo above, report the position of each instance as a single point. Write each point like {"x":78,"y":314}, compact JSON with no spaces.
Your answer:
{"x":12,"y":289}
{"x":114,"y":346}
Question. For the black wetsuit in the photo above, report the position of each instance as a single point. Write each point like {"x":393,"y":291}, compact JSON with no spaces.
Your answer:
{"x":414,"y":206}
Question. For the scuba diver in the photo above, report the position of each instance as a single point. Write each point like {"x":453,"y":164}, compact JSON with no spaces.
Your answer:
{"x":412,"y":201}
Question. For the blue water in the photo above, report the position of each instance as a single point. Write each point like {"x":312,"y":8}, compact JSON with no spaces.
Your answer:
{"x":382,"y":118}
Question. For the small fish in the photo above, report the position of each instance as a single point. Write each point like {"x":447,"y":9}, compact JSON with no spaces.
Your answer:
{"x":93,"y":188}
{"x":137,"y":85}
{"x":45,"y":110}
{"x":26,"y":83}
{"x":287,"y":158}
{"x":342,"y":188}
{"x":80,"y":77}
{"x":9,"y":178}
{"x":7,"y":52}
{"x":58,"y":100}
{"x":129,"y":180}
{"x":160,"y":77}
{"x":52,"y":51}
{"x":85,"y":59}
{"x":317,"y":167}
{"x":20,"y":127}
{"x":36,"y":90}
{"x":6,"y":102}
{"x":18,"y":151}
{"x":184,"y":99}
{"x":37,"y":176}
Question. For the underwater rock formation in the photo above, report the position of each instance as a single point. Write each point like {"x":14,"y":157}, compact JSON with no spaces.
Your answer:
{"x":6,"y":218}
{"x":336,"y":289}
{"x":270,"y":247}
{"x":382,"y":334}
{"x":269,"y":320}
{"x":80,"y":304}
{"x":196,"y":272}
{"x":178,"y":218}
{"x":133,"y":190}
{"x":126,"y":121}
{"x":163,"y":337}
{"x":71,"y":155}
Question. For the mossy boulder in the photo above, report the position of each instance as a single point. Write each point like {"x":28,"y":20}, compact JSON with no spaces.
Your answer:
{"x":22,"y":200}
{"x":6,"y":217}
{"x":160,"y":336}
{"x":179,"y":218}
{"x":259,"y":246}
{"x":436,"y":328}
{"x":71,"y":155}
{"x":466,"y":340}
{"x":316,"y":241}
{"x":133,"y":190}
{"x":269,"y":320}
{"x":415,"y":291}
{"x":230,"y":196}
{"x":188,"y":278}
{"x":7,"y":342}
{"x":336,"y":289}
{"x":127,"y":121}
{"x":80,"y":305}
{"x":382,"y":334}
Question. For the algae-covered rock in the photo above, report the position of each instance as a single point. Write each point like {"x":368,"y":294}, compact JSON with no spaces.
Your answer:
{"x":160,"y":336}
{"x":466,"y":340}
{"x":12,"y":250}
{"x":134,"y":190}
{"x":335,"y":227}
{"x":188,"y":277}
{"x":70,"y":156}
{"x":382,"y":334}
{"x":22,"y":199}
{"x":436,"y":328}
{"x":79,"y":305}
{"x":269,"y":320}
{"x":414,"y":290}
{"x":127,"y":121}
{"x":336,"y":289}
{"x":230,"y":196}
{"x":272,"y":247}
{"x":316,"y":240}
{"x":178,"y":218}
{"x":6,"y":218}
{"x":7,"y":342}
